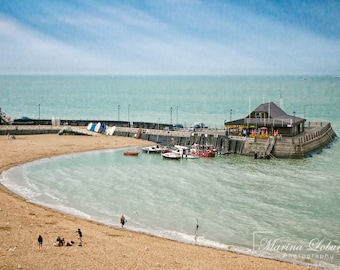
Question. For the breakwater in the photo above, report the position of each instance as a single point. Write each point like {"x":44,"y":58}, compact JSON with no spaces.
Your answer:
{"x":81,"y":123}
{"x":313,"y":139}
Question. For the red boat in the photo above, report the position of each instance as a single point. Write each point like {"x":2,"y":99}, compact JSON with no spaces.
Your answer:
{"x":131,"y":154}
{"x":207,"y":153}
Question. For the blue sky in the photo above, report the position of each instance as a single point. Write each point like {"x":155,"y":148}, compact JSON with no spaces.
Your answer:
{"x":170,"y":37}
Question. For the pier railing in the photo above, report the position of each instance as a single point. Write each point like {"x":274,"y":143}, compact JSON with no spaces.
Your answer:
{"x":167,"y":132}
{"x":313,"y":135}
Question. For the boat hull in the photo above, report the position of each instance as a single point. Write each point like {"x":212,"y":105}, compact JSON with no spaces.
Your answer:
{"x":152,"y":149}
{"x":171,"y":155}
{"x":132,"y":154}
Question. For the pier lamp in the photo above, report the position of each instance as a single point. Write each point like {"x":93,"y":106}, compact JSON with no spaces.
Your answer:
{"x":293,"y":123}
{"x":118,"y":111}
{"x":231,"y":112}
{"x":39,"y":114}
{"x":129,"y":113}
{"x":170,"y":115}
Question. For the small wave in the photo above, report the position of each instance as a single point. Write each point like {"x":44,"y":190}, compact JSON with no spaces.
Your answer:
{"x":202,"y":241}
{"x":67,"y":210}
{"x":53,"y":197}
{"x":24,"y":192}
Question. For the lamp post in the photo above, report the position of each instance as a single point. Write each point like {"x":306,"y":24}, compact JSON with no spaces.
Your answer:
{"x":176,"y":114}
{"x":118,"y":111}
{"x":170,"y":115}
{"x":158,"y":120}
{"x":231,"y":112}
{"x":293,"y":126}
{"x":39,"y":114}
{"x":129,"y":113}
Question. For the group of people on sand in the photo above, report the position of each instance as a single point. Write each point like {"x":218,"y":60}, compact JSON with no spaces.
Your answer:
{"x":61,"y":241}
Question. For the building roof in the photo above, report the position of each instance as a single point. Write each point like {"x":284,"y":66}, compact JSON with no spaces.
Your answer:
{"x":274,"y":110}
{"x":267,"y":114}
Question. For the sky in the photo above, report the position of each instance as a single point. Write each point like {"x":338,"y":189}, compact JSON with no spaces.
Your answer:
{"x":170,"y":37}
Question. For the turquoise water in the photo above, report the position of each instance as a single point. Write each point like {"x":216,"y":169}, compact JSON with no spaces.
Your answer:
{"x":258,"y":207}
{"x":192,"y":99}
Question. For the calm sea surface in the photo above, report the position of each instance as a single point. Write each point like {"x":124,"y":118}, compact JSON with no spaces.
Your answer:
{"x":286,"y":209}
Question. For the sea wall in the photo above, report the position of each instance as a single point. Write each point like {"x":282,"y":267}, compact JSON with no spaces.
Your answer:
{"x":28,"y":130}
{"x":255,"y":147}
{"x":310,"y":141}
{"x":305,"y":145}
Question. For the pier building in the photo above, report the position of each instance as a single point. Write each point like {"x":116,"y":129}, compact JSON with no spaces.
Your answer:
{"x":267,"y":118}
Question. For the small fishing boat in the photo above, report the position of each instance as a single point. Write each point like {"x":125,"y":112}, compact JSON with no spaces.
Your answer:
{"x":225,"y":153}
{"x":190,"y":156}
{"x":133,"y":154}
{"x":207,"y":153}
{"x":186,"y":152}
{"x":167,"y":150}
{"x":171,"y":155}
{"x":152,"y":149}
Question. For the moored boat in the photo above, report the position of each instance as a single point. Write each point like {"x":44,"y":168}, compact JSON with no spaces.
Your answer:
{"x":152,"y":149}
{"x":190,"y":156}
{"x":207,"y":153}
{"x":186,"y":152}
{"x":171,"y":155}
{"x":134,"y":154}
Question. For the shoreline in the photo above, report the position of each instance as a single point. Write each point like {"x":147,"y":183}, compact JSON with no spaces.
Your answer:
{"x":104,"y":247}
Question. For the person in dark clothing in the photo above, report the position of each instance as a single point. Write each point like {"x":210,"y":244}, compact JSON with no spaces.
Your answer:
{"x":80,"y":235}
{"x":123,"y":220}
{"x":40,"y":241}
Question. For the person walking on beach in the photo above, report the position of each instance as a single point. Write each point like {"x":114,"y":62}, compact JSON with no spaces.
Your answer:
{"x":80,"y":237}
{"x":123,"y":220}
{"x":40,"y":241}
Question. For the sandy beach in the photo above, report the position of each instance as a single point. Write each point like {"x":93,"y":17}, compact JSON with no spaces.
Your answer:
{"x":104,"y":247}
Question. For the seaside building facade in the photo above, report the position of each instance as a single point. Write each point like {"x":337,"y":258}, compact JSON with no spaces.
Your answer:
{"x":267,"y":119}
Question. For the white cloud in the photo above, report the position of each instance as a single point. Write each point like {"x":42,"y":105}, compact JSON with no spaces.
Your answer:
{"x":197,"y":38}
{"x":24,"y":50}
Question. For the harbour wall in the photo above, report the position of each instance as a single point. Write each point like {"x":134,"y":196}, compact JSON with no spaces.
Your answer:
{"x":81,"y":123}
{"x":312,"y":140}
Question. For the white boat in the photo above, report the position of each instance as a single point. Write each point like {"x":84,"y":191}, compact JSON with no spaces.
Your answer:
{"x":110,"y":130}
{"x":152,"y":149}
{"x":186,"y":152}
{"x":190,"y":156}
{"x":171,"y":155}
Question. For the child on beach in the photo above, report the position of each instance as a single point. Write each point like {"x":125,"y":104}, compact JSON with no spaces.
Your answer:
{"x":40,"y":241}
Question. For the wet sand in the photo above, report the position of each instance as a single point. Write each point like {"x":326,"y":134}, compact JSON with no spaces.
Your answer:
{"x":104,"y":247}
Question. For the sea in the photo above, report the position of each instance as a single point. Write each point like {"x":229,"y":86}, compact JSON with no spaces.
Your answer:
{"x":287,"y":209}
